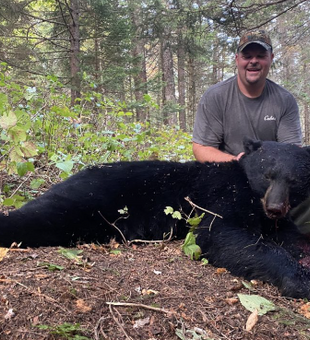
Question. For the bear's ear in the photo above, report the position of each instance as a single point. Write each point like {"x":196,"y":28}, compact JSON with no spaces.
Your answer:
{"x":251,"y":145}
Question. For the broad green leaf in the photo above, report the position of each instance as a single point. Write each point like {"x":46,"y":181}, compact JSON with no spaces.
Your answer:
{"x":65,"y":166}
{"x":8,"y":202}
{"x":252,"y":302}
{"x":168,"y":210}
{"x":16,"y":155}
{"x":36,"y":183}
{"x":17,"y":133}
{"x":24,"y":167}
{"x":190,"y":247}
{"x":29,"y":149}
{"x":8,"y":120}
{"x":195,"y":221}
{"x":16,"y":201}
{"x":70,"y":254}
{"x":177,"y":215}
{"x":147,"y":98}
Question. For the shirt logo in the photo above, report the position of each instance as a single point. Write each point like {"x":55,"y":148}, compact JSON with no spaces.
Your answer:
{"x":269,"y":118}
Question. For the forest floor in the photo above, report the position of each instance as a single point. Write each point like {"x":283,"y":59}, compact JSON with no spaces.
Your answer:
{"x":146,"y":291}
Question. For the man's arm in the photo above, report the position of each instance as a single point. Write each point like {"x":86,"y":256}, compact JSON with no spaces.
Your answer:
{"x":210,"y":154}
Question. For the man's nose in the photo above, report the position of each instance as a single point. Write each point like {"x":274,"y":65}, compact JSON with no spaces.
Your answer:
{"x":253,"y":60}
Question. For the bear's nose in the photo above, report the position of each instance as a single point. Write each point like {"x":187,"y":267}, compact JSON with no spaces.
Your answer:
{"x":276,"y":211}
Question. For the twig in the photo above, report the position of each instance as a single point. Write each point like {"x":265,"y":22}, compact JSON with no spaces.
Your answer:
{"x":114,"y":225}
{"x":118,"y":323}
{"x":99,"y":325}
{"x":21,"y":184}
{"x":128,"y":243}
{"x":153,"y":241}
{"x":139,"y":305}
{"x":198,"y":207}
{"x":254,"y":244}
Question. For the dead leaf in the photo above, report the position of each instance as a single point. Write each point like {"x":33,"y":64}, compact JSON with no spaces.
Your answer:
{"x":252,"y":320}
{"x":221,"y":271}
{"x":82,"y":306}
{"x":231,"y":301}
{"x":35,"y":321}
{"x":10,"y":314}
{"x":305,"y":310}
{"x":141,"y":322}
{"x":149,"y":292}
{"x":3,"y":252}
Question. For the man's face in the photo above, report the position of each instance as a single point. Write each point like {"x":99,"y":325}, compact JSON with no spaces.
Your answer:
{"x":253,"y":64}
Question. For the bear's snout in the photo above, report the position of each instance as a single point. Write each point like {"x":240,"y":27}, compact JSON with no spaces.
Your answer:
{"x":276,"y":201}
{"x":276,"y":211}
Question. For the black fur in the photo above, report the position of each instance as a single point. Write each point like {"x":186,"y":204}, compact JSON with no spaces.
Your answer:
{"x":255,"y":238}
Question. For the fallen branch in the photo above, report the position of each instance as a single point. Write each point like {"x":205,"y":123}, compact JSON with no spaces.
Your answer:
{"x":139,"y":305}
{"x":119,"y":324}
{"x":154,"y":241}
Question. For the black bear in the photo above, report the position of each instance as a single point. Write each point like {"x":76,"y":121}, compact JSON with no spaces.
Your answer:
{"x":254,"y":237}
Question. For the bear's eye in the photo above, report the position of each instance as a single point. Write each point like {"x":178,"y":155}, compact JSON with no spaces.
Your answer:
{"x":267,"y":176}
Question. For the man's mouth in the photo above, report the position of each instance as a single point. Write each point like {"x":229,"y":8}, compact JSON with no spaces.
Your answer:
{"x":253,"y":70}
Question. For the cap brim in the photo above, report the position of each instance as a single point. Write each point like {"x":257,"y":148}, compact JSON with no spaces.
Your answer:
{"x":265,"y":45}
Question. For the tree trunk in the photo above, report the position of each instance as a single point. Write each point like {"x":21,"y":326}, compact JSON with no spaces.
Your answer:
{"x":181,"y":83}
{"x":169,"y":99}
{"x":75,"y":52}
{"x":191,"y":91}
{"x":138,"y":51}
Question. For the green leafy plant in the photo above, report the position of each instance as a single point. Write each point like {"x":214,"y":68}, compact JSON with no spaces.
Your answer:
{"x":72,"y":255}
{"x":50,"y":266}
{"x":189,"y":246}
{"x":66,"y":331}
{"x":40,"y":130}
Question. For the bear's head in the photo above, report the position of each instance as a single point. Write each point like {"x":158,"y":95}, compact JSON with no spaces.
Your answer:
{"x":278,"y":173}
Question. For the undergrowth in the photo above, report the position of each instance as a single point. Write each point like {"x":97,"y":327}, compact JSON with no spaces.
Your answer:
{"x":43,"y":140}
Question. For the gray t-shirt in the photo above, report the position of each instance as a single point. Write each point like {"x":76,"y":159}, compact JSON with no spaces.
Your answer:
{"x":225,"y":116}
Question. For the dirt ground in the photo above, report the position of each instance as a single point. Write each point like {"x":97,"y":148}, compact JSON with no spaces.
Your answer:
{"x":146,"y":291}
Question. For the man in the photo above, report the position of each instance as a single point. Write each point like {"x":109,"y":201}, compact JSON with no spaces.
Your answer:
{"x":248,"y":104}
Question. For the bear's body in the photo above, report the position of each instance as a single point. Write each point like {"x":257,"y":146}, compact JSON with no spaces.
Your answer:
{"x":254,"y":238}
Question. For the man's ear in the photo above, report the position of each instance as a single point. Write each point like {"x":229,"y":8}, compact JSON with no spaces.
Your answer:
{"x":251,"y":145}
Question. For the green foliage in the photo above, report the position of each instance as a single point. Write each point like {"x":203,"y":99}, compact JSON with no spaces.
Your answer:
{"x":39,"y":130}
{"x":190,"y":247}
{"x":50,"y":266}
{"x":66,"y":331}
{"x":71,"y":254}
{"x":256,"y":302}
{"x":175,"y":214}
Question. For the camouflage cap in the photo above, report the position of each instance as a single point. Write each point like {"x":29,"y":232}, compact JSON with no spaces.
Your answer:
{"x":255,"y":37}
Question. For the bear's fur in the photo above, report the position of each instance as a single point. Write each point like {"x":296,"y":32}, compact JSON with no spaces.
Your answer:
{"x":253,"y":238}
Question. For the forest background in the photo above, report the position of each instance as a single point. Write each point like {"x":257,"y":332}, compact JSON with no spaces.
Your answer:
{"x":88,"y":81}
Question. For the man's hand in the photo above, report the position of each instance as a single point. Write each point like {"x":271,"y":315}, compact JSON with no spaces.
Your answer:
{"x":210,"y":154}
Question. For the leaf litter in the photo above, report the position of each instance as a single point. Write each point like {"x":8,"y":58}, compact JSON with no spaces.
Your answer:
{"x":95,"y":296}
